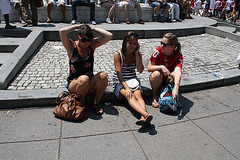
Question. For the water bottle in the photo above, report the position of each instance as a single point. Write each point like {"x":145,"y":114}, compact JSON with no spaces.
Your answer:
{"x":238,"y":61}
{"x":145,"y":3}
{"x":217,"y":74}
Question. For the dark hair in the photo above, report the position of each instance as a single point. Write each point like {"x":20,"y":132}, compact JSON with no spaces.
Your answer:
{"x":84,"y":29}
{"x":172,"y":39}
{"x":128,"y":36}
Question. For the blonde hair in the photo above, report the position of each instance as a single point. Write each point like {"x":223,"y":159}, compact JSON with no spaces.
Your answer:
{"x":172,"y":39}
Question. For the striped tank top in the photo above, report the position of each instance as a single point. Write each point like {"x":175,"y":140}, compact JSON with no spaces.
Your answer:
{"x":128,"y":72}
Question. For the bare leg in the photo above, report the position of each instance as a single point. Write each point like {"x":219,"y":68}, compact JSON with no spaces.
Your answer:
{"x":18,"y":8}
{"x":157,"y":8}
{"x":156,"y":80}
{"x":135,"y":104}
{"x":126,"y":11}
{"x":49,"y":10}
{"x":139,"y":11}
{"x":80,"y":86}
{"x":63,"y":9}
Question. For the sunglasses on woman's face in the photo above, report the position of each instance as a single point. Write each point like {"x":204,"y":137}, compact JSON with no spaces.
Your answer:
{"x":84,"y":39}
{"x":165,"y":44}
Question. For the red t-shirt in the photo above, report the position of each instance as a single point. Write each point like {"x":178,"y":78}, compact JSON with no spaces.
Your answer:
{"x":170,"y":62}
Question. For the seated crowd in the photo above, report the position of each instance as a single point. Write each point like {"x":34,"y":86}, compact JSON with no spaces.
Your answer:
{"x":175,"y":10}
{"x":226,"y":10}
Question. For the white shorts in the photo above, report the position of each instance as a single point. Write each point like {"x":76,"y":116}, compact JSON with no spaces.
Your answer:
{"x":55,"y":2}
{"x":5,"y":6}
{"x":131,"y":4}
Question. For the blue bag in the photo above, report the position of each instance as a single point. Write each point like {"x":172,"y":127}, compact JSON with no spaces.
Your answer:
{"x":165,"y":101}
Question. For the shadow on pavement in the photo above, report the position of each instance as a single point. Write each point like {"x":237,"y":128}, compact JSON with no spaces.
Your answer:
{"x":149,"y":129}
{"x":186,"y":105}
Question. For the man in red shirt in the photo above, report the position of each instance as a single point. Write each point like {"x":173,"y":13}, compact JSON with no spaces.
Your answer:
{"x":166,"y":60}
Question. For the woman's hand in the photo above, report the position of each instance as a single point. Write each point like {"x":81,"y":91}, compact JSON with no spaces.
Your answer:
{"x":165,"y":71}
{"x":129,"y":93}
{"x":175,"y":93}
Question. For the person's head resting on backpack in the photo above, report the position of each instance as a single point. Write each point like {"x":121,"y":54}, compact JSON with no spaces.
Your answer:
{"x":170,"y":44}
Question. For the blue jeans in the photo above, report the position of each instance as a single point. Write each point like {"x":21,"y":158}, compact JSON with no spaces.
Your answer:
{"x":89,"y":3}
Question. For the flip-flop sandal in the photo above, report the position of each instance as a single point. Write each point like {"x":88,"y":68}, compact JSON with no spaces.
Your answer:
{"x":154,"y":103}
{"x":140,"y":122}
{"x":98,"y":109}
{"x":149,"y":118}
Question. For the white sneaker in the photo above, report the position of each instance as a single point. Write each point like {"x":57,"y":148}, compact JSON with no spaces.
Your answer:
{"x":74,"y":22}
{"x":108,"y":20}
{"x":22,"y":22}
{"x":93,"y":22}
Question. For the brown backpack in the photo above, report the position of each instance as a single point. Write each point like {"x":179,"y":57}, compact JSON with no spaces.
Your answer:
{"x":69,"y":107}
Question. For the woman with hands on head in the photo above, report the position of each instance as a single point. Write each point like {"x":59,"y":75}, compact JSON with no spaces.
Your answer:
{"x":126,"y":60}
{"x":81,"y":59}
{"x":165,"y":61}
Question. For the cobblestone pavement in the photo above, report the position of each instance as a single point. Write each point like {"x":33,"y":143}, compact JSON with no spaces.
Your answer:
{"x":48,"y":67}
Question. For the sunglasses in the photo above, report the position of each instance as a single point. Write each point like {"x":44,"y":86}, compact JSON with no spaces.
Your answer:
{"x":84,"y":39}
{"x":132,"y":34}
{"x":165,"y":45}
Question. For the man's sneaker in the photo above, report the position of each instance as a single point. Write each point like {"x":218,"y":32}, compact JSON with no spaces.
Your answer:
{"x":74,"y":22}
{"x":108,"y":20}
{"x":93,"y":22}
{"x":179,"y":20}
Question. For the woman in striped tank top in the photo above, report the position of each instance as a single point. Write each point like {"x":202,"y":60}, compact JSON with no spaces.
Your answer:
{"x":126,"y":60}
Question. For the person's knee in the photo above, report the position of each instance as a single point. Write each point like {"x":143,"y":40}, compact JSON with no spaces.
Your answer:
{"x":83,"y":80}
{"x":156,"y":75}
{"x":103,"y":77}
{"x":50,"y":4}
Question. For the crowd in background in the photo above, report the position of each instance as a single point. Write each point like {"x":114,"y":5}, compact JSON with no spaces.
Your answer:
{"x":227,"y":10}
{"x":176,"y":10}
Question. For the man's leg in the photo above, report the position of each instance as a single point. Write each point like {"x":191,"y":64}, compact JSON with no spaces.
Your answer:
{"x":74,"y":10}
{"x":33,"y":6}
{"x":92,"y":10}
{"x":8,"y":26}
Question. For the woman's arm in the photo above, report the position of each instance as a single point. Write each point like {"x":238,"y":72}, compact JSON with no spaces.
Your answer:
{"x":177,"y":79}
{"x":66,"y":41}
{"x":139,"y":63}
{"x":118,"y":68}
{"x":153,"y":67}
{"x":105,"y":37}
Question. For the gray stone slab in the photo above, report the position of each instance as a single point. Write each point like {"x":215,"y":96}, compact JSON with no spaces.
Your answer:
{"x":235,"y":87}
{"x":110,"y":121}
{"x":36,"y":150}
{"x":224,"y":129}
{"x":131,"y":116}
{"x":196,"y":105}
{"x":24,"y":125}
{"x":225,"y":96}
{"x":180,"y":141}
{"x":110,"y":146}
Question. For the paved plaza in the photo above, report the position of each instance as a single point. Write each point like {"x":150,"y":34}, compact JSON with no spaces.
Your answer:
{"x":205,"y":128}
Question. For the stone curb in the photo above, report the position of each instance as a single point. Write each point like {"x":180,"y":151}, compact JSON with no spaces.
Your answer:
{"x":46,"y":97}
